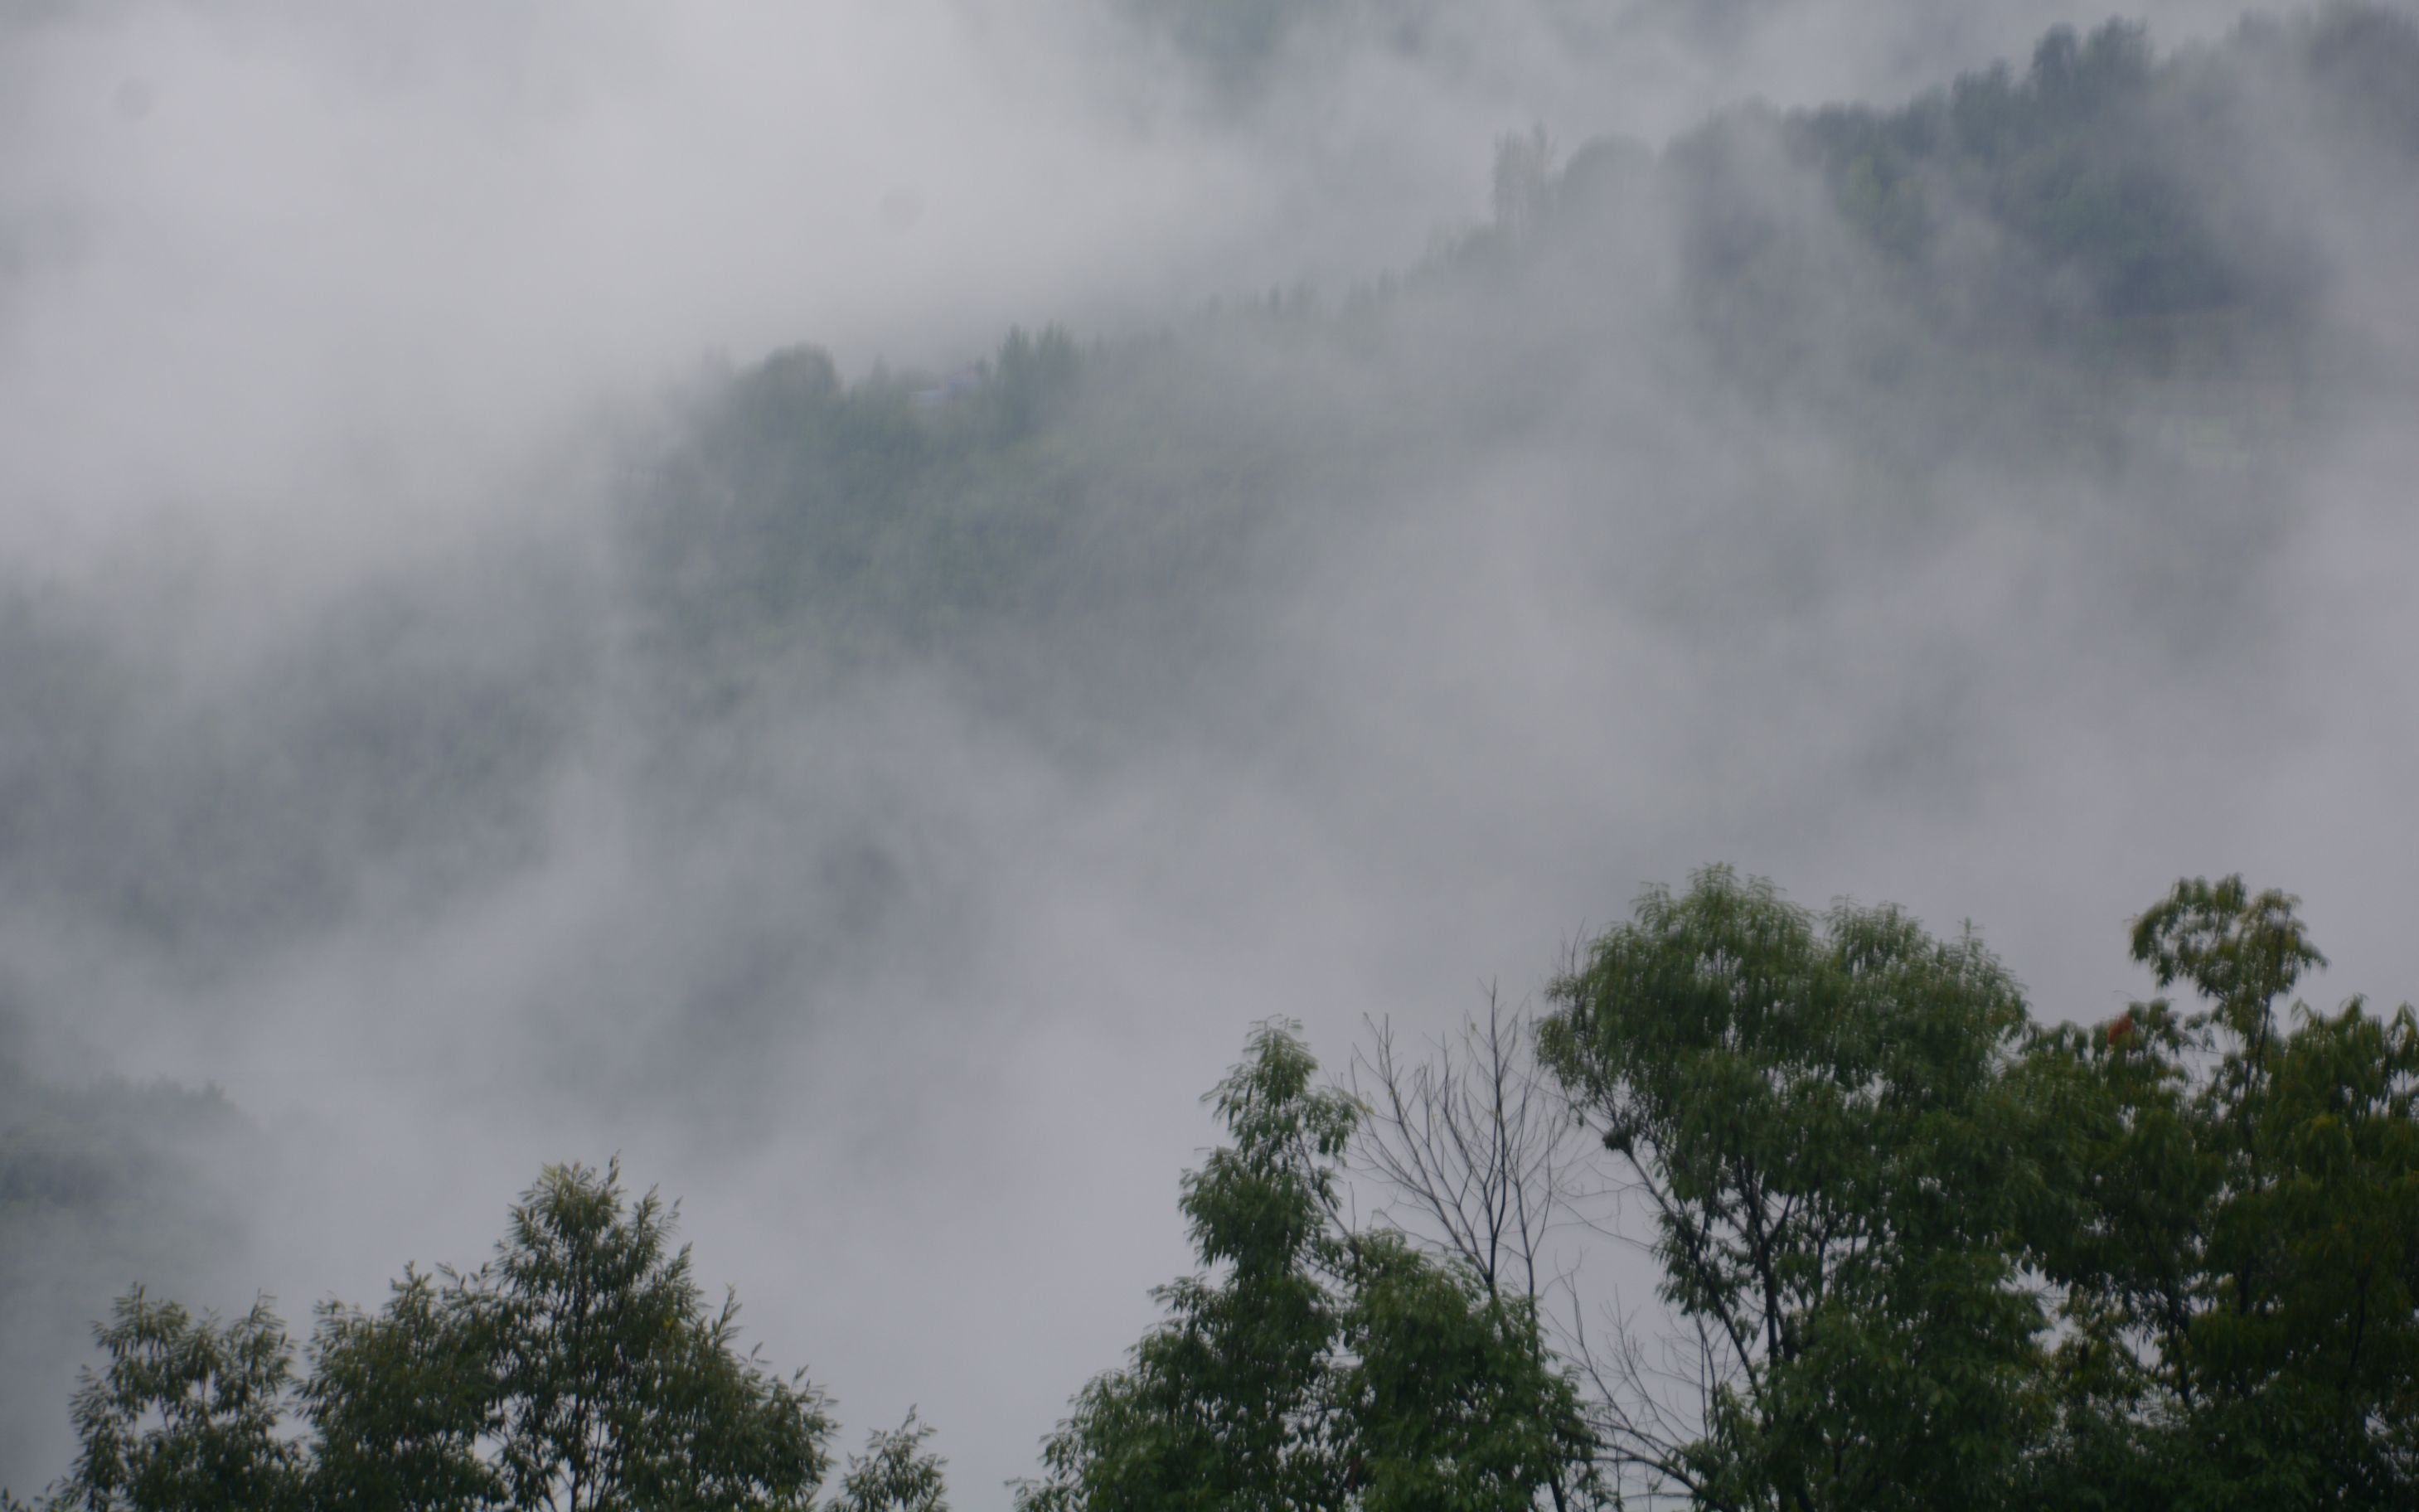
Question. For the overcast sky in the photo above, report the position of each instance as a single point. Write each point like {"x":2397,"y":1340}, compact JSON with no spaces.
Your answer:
{"x":322,"y":335}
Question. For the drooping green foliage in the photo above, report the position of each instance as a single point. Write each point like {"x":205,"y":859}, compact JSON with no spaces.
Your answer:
{"x":896,"y":1472}
{"x":400,"y":1401}
{"x":1312,"y":1367}
{"x":186,"y":1415}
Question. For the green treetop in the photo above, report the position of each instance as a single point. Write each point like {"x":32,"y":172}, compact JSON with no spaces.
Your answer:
{"x":1312,"y":1367}
{"x":580,"y":1370}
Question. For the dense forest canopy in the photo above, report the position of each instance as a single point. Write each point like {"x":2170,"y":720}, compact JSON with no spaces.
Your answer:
{"x":2040,"y":240}
{"x":1959,"y":449}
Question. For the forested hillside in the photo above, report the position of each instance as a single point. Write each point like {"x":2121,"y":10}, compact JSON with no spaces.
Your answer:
{"x":100,"y":1180}
{"x":2096,"y":258}
{"x":1812,"y":479}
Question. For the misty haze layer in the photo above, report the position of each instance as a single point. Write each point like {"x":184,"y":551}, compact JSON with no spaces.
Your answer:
{"x":480,"y":691}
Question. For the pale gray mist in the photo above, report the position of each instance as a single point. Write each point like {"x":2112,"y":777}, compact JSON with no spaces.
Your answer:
{"x":371,"y":771}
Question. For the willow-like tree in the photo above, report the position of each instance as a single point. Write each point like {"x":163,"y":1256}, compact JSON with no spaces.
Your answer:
{"x":897,"y":1472}
{"x":186,"y":1414}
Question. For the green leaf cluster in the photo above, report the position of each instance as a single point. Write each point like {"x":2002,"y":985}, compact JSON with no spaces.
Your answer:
{"x":1312,"y":1366}
{"x":1935,"y":1255}
{"x":211,"y":1395}
{"x":579,"y":1371}
{"x":1818,"y":1118}
{"x":896,"y":1472}
{"x":2238,"y":1238}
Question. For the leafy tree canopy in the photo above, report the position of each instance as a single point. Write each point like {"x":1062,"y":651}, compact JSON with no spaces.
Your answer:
{"x":1815,"y":1110}
{"x":1312,"y":1366}
{"x":2238,"y":1231}
{"x":1926,"y":1253}
{"x":579,"y":1371}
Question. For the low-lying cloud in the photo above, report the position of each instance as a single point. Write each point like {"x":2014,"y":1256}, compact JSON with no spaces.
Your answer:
{"x":372,"y":753}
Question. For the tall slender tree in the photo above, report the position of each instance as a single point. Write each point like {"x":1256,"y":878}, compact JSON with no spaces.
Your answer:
{"x":1311,"y":1367}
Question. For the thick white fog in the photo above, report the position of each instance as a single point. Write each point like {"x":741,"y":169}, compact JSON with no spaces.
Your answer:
{"x":340,"y":345}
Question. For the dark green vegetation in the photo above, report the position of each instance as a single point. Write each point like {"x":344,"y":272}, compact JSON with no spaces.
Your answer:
{"x":580,"y":1369}
{"x":1314,"y":1366}
{"x":2105,"y":271}
{"x":1816,"y":1114}
{"x":1936,"y":1255}
{"x":1914,"y":1252}
{"x":2234,"y":1213}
